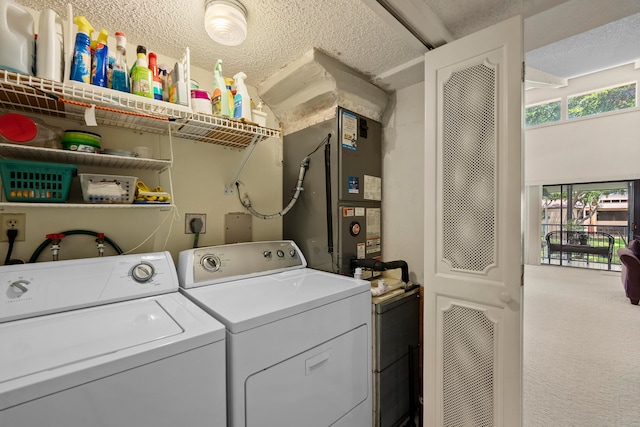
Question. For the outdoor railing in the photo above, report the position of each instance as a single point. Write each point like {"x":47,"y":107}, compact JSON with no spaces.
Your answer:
{"x":619,"y":233}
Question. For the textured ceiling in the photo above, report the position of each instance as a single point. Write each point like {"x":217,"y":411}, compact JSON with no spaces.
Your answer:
{"x":353,"y":31}
{"x":279,"y":32}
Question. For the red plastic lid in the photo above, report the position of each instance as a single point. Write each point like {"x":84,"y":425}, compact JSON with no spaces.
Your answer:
{"x":17,"y":128}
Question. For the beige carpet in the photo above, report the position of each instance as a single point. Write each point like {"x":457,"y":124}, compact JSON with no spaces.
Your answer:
{"x":581,"y":349}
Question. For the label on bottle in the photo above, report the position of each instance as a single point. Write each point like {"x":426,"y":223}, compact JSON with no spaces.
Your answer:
{"x":121,"y":81}
{"x":141,"y":82}
{"x":99,"y":66}
{"x":216,"y":100}
{"x":81,"y":66}
{"x":157,"y":89}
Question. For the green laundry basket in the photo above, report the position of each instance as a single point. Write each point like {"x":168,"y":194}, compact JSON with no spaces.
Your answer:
{"x":27,"y":181}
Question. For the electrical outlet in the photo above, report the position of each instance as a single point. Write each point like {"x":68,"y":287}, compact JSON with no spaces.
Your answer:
{"x":15,"y":221}
{"x":187,"y":222}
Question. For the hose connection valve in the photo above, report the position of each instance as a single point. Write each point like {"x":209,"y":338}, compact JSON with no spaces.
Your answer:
{"x":100,"y":244}
{"x":55,"y":244}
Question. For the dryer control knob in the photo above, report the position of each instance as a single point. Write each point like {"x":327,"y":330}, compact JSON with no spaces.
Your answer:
{"x":292,"y":252}
{"x":210,"y":263}
{"x":142,"y":272}
{"x":266,"y":254}
{"x":280,"y":253}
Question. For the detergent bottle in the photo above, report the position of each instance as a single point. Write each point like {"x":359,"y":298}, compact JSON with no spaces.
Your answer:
{"x":219,"y":99}
{"x":81,"y":65}
{"x":242,"y":101}
{"x":50,"y":46}
{"x":100,"y":62}
{"x":141,"y":77}
{"x":16,"y":37}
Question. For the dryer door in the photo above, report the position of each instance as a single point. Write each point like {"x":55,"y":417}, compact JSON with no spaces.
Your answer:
{"x":314,"y":388}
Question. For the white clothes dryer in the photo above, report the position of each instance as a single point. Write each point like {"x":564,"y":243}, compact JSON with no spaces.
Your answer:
{"x":106,"y":342}
{"x":298,"y":339}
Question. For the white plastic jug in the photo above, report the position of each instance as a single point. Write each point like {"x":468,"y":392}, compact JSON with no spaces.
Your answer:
{"x":49,"y":51}
{"x":16,"y":34}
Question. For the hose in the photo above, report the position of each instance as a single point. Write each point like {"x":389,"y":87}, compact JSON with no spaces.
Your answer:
{"x":382,"y":266}
{"x":47,"y":242}
{"x":247,"y":203}
{"x":304,"y":165}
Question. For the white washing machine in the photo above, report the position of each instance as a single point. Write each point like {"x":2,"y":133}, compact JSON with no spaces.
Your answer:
{"x":106,"y":342}
{"x":298,"y":339}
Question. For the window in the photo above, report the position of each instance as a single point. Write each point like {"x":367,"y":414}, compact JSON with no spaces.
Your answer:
{"x":602,"y":101}
{"x":620,"y":216}
{"x":542,"y":113}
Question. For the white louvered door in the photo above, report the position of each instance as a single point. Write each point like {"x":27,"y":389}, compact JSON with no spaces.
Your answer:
{"x":473,"y":239}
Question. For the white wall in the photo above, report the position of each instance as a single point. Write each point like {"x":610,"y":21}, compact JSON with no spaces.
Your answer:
{"x":403,"y":180}
{"x":199,"y":173}
{"x":598,"y":148}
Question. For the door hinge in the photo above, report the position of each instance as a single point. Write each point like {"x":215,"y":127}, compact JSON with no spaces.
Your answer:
{"x":523,"y":72}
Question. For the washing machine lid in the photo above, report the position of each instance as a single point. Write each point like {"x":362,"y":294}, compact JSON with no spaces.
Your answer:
{"x":45,"y":343}
{"x":246,"y":304}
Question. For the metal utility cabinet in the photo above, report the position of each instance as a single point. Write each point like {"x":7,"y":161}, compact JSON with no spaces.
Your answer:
{"x":337,"y":216}
{"x":396,"y":341}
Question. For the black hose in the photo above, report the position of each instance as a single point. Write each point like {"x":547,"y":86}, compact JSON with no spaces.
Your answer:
{"x":47,"y":242}
{"x":327,"y":182}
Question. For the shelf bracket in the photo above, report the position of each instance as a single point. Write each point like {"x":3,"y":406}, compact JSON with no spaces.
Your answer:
{"x":228,"y":189}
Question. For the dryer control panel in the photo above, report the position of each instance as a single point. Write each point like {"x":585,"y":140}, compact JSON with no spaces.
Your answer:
{"x":224,"y":263}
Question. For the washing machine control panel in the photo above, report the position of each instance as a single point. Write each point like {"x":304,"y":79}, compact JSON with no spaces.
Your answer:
{"x":28,"y":290}
{"x":214,"y":264}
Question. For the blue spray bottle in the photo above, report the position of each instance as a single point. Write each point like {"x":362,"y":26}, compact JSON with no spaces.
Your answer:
{"x":81,"y":65}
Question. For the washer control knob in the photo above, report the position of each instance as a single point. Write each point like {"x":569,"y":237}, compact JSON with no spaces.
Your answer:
{"x":292,"y":252}
{"x":19,"y":287}
{"x":210,"y":263}
{"x":266,"y":254}
{"x":142,"y":272}
{"x":280,"y":253}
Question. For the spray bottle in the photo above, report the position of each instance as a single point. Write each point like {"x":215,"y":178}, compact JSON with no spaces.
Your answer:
{"x":81,"y":65}
{"x":100,"y":63}
{"x":220,"y":102}
{"x":120,"y":80}
{"x":242,"y":101}
{"x":141,"y":77}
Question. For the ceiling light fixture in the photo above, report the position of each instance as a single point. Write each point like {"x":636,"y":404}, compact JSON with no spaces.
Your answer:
{"x":225,"y":21}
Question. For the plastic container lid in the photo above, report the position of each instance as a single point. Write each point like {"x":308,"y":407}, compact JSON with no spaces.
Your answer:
{"x":17,"y":128}
{"x":200,"y":94}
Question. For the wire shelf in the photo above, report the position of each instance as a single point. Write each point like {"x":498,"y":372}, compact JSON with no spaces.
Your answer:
{"x":70,"y":100}
{"x":25,"y":152}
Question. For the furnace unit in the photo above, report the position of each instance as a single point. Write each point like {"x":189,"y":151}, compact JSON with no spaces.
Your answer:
{"x":337,"y":217}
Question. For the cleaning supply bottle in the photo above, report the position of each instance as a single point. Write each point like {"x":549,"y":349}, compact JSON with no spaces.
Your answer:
{"x":220,"y":102}
{"x":100,"y":62}
{"x":81,"y":65}
{"x":50,"y":46}
{"x":242,"y":101}
{"x":230,"y":94}
{"x":157,"y":82}
{"x":120,"y":80}
{"x":141,"y":77}
{"x":16,"y":37}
